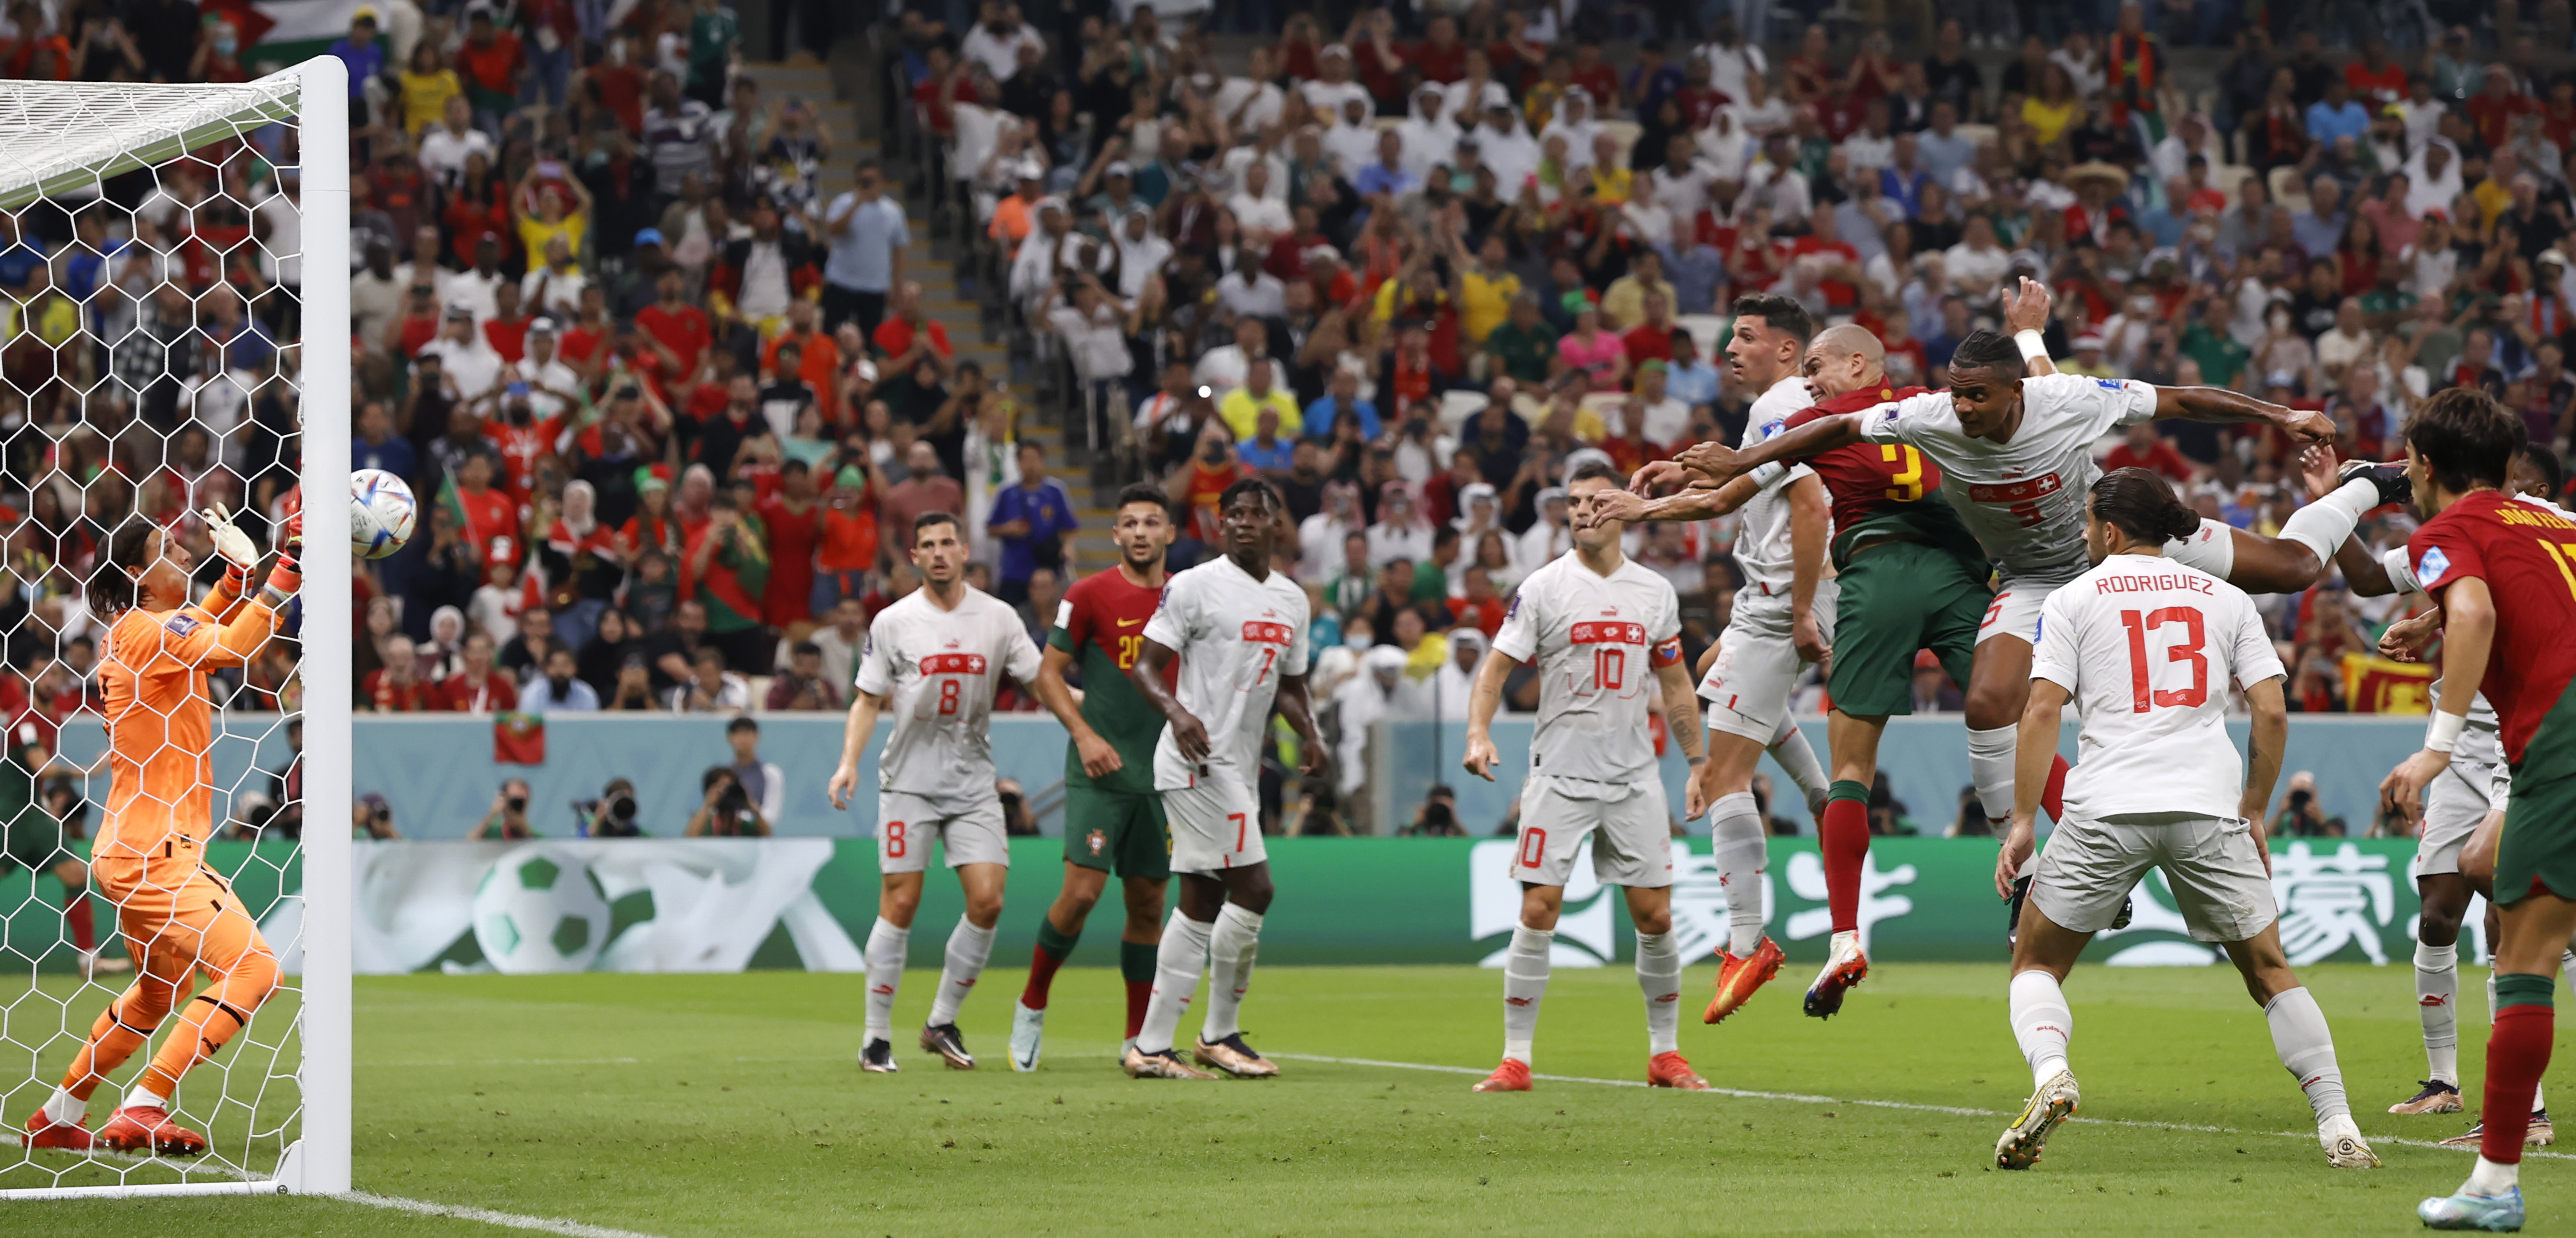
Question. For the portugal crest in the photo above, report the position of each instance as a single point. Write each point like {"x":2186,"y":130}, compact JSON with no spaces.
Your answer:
{"x":1096,"y":840}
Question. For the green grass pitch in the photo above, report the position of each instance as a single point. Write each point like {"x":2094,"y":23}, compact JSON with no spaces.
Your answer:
{"x":731,"y":1105}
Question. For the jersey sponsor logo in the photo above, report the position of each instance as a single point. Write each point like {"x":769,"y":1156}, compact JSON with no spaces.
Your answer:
{"x":1259,"y":633}
{"x":2431,"y":567}
{"x":953,"y":664}
{"x":2015,"y":491}
{"x":1129,"y":623}
{"x":179,"y":625}
{"x":1608,"y":634}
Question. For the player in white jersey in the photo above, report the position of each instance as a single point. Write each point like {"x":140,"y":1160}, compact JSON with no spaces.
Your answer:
{"x":931,"y":660}
{"x":1600,"y":627}
{"x":2147,"y":650}
{"x":2456,"y":803}
{"x":1239,"y":631}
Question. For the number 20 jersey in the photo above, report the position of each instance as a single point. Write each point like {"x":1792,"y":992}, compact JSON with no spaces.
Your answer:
{"x":937,"y":670}
{"x":1597,"y":641}
{"x":2148,"y":649}
{"x":1236,"y":637}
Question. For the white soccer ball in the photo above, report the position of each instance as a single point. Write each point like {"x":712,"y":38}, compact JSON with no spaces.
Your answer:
{"x":540,"y":911}
{"x":381,"y":513}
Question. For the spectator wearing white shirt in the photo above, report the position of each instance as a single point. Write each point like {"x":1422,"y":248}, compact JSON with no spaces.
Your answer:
{"x":1224,"y":367}
{"x":445,"y":146}
{"x":1680,"y":183}
{"x":1756,"y":112}
{"x":1734,"y":62}
{"x":1507,"y":147}
{"x":1258,"y":213}
{"x":1428,"y":135}
{"x":1251,"y":103}
{"x":1095,"y":334}
{"x":554,"y":285}
{"x":466,"y":360}
{"x":1332,"y":88}
{"x":1351,"y":143}
{"x":552,"y":385}
{"x":710,"y":688}
{"x":1250,"y":292}
{"x":1141,"y":252}
{"x":995,"y":41}
{"x":558,"y":690}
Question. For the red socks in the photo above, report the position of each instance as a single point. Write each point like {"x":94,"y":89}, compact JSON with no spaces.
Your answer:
{"x":1042,"y":967}
{"x":2052,"y":797}
{"x":1139,"y":992}
{"x":2517,"y":1054}
{"x":1842,"y":834}
{"x":82,"y":920}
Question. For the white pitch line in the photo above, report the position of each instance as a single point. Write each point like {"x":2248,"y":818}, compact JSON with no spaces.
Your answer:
{"x":507,"y":1220}
{"x":1908,"y":1106}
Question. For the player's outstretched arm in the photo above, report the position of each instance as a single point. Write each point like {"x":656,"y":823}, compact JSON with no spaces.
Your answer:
{"x":1718,"y":462}
{"x":854,"y":743}
{"x":1483,"y":698}
{"x":1294,"y":705}
{"x":2468,"y":637}
{"x":1681,"y":719}
{"x":1700,"y":501}
{"x":2026,"y":308}
{"x":2219,"y":404}
{"x":1098,"y":759}
{"x":2035,"y":751}
{"x":1147,"y":674}
{"x":2362,"y":570}
{"x":2271,"y":735}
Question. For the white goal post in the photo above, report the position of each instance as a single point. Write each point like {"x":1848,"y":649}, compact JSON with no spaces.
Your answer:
{"x":274,"y":1102}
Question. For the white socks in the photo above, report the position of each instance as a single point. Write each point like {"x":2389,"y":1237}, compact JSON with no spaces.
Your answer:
{"x":2323,"y":525}
{"x":1524,"y":985}
{"x":1176,"y":978}
{"x":968,"y":947}
{"x":886,"y":946}
{"x":2437,"y":1002}
{"x":1230,"y":949}
{"x":1738,"y":844}
{"x":65,"y":1108}
{"x":1790,"y":748}
{"x":2299,"y":1035}
{"x":2490,"y":1178}
{"x":144,"y":1098}
{"x":2041,"y":1024}
{"x":1990,"y":766}
{"x":1659,"y":976}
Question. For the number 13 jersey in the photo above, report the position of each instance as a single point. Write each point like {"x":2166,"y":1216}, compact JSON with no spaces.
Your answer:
{"x":1236,"y":636}
{"x":1597,"y":641}
{"x":936,"y":668}
{"x":2148,"y":649}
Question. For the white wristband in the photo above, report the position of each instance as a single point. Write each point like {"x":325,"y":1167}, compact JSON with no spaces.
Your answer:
{"x":2445,"y":731}
{"x":2033,"y":346}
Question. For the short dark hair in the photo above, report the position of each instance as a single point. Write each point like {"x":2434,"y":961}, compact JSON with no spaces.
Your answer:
{"x":1270,"y":500}
{"x":743,"y":722}
{"x":2553,"y":470}
{"x":563,"y":651}
{"x":866,"y":166}
{"x":1144,"y":492}
{"x":1780,"y":313}
{"x":1444,"y":535}
{"x":804,"y":648}
{"x":2143,"y":505}
{"x":927,"y":521}
{"x":2465,"y":438}
{"x":1985,"y":349}
{"x":1590,"y":469}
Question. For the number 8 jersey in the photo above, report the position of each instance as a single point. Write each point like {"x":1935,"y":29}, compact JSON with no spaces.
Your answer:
{"x":1235,"y":636}
{"x":1597,"y":641}
{"x":936,"y":668}
{"x":2148,"y":649}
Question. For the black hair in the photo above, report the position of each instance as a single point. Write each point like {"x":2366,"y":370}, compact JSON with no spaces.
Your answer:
{"x":1780,"y":313}
{"x":2143,"y":505}
{"x":2465,"y":438}
{"x":927,"y":521}
{"x":1592,"y":469}
{"x":792,"y":465}
{"x":866,"y":166}
{"x":1985,"y":349}
{"x":743,"y":722}
{"x":804,"y":647}
{"x":715,"y":774}
{"x":1270,"y":500}
{"x":1444,"y":535}
{"x":2552,"y":470}
{"x":1144,"y":492}
{"x":115,"y":584}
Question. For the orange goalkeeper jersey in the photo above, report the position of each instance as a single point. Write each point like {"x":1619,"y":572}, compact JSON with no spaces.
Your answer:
{"x":159,"y":719}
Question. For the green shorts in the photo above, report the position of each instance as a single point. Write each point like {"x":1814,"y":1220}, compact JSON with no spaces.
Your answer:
{"x":34,"y":841}
{"x":1117,"y":830}
{"x":2538,"y":848}
{"x":1897,"y":598}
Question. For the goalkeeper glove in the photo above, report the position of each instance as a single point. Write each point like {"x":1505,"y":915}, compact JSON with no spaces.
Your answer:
{"x":230,"y":542}
{"x":284,"y":577}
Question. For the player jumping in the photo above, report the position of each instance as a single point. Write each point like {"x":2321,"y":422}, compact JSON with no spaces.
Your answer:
{"x":2146,"y":648}
{"x":179,"y":917}
{"x":1597,"y":624}
{"x":2504,"y":575}
{"x":1111,"y":814}
{"x":932,"y":659}
{"x":1238,"y":630}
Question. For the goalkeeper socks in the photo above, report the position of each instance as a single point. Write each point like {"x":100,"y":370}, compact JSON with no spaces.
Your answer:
{"x":1737,"y":843}
{"x":65,"y":1108}
{"x":1990,"y":767}
{"x":1524,"y":986}
{"x":1790,"y":748}
{"x":2052,"y":795}
{"x":2517,"y":1055}
{"x":1659,"y":977}
{"x":968,"y":948}
{"x":885,"y":954}
{"x":142,"y":1097}
{"x":1176,"y":977}
{"x":2321,"y":526}
{"x":1053,"y":948}
{"x":2306,"y":1047}
{"x":2041,"y":1023}
{"x":82,"y":920}
{"x":1230,"y":949}
{"x":1842,"y":834}
{"x":2437,"y":1001}
{"x":1136,"y":966}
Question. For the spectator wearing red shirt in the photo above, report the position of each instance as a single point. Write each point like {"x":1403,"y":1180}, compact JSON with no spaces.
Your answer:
{"x":2494,"y":108}
{"x":908,"y":328}
{"x":507,"y":329}
{"x":1652,"y":338}
{"x":579,"y":346}
{"x":479,"y":688}
{"x":2375,"y":79}
{"x":945,"y":85}
{"x":1597,"y":78}
{"x":1837,"y":262}
{"x":677,"y":325}
{"x":491,"y":516}
{"x":1479,"y":606}
{"x":396,"y":687}
{"x":1440,"y":57}
{"x":818,"y":359}
{"x":492,"y":64}
{"x":2146,"y":449}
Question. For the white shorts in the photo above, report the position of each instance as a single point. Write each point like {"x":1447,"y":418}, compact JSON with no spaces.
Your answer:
{"x":2015,"y":610}
{"x":968,"y":829}
{"x":1632,"y":834}
{"x":2212,"y":550}
{"x":1216,"y":825}
{"x":1757,"y":667}
{"x":2459,"y":798}
{"x":2217,"y":877}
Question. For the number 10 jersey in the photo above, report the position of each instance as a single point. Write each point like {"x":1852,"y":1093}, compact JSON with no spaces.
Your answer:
{"x":1597,"y":640}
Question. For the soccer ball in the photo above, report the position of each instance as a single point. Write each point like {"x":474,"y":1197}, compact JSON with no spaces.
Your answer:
{"x":540,"y":911}
{"x":381,"y":512}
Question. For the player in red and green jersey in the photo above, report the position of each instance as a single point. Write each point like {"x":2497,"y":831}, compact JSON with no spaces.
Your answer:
{"x":1112,"y":815}
{"x":2504,"y":574}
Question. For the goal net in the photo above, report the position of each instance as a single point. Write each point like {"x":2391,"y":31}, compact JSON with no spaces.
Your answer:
{"x":167,"y":254}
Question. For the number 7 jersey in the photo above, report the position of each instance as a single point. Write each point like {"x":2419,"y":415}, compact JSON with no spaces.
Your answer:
{"x":1235,"y":636}
{"x":1597,"y":640}
{"x":936,"y":668}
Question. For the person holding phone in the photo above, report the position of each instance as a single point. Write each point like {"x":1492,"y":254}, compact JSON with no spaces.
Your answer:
{"x":549,"y":202}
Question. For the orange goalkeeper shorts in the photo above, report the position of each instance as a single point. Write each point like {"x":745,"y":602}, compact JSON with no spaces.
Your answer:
{"x":177,"y":915}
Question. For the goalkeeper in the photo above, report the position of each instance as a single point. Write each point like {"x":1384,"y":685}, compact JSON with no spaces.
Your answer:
{"x":179,"y":917}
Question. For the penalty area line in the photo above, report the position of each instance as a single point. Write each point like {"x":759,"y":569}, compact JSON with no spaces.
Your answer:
{"x":1901,"y":1105}
{"x":507,"y":1220}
